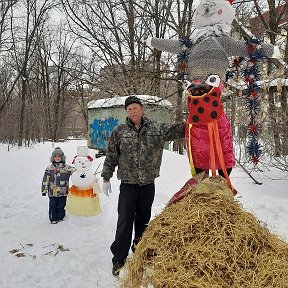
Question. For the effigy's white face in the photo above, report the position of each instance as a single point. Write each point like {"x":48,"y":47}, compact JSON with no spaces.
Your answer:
{"x":207,"y":8}
{"x":212,"y":12}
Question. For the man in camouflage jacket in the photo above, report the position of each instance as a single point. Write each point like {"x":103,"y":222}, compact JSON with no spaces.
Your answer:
{"x":136,"y":147}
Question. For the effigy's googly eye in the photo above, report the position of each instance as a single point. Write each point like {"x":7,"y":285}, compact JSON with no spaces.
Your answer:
{"x":213,"y":80}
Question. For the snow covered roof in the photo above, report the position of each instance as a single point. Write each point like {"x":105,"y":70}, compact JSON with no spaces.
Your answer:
{"x":120,"y":100}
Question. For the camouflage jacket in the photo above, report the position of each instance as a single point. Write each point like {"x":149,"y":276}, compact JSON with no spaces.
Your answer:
{"x":138,"y":153}
{"x":56,"y":179}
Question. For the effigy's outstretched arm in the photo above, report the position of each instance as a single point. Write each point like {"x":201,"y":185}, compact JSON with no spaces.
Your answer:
{"x":234,"y":47}
{"x":168,"y":45}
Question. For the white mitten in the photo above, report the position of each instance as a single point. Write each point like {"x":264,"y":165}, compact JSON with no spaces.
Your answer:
{"x":276,"y":53}
{"x":148,"y":42}
{"x":106,"y":188}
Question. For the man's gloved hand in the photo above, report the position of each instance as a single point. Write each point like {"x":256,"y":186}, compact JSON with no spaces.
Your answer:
{"x":106,"y":188}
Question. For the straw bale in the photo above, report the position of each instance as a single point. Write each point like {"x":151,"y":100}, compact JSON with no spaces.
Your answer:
{"x":207,"y":240}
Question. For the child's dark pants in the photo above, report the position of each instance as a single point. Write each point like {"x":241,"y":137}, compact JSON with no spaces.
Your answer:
{"x":56,"y":208}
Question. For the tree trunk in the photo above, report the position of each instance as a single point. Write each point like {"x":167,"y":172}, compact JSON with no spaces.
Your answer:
{"x":284,"y":100}
{"x":284,"y":121}
{"x":178,"y":145}
{"x":157,"y":74}
{"x":56,"y":115}
{"x":22,"y":110}
{"x":274,"y":125}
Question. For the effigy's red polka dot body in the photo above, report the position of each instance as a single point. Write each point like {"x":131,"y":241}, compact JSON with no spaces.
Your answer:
{"x":204,"y":103}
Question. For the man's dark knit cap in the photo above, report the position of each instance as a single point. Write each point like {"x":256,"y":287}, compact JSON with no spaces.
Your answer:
{"x":132,"y":99}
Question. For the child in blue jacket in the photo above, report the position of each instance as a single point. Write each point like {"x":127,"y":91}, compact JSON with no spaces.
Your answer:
{"x":56,"y":184}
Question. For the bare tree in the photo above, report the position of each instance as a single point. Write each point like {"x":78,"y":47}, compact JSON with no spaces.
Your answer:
{"x":284,"y":100}
{"x":273,"y":29}
{"x":24,"y":46}
{"x":115,"y":32}
{"x":174,"y":17}
{"x":62,"y":63}
{"x":5,"y":43}
{"x":44,"y":47}
{"x":5,"y":7}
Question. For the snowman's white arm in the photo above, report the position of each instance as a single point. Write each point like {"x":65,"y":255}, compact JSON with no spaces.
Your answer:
{"x":97,"y":169}
{"x":168,"y":45}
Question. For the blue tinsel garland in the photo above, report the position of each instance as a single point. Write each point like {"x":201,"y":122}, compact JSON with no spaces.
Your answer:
{"x":183,"y":57}
{"x":251,"y":74}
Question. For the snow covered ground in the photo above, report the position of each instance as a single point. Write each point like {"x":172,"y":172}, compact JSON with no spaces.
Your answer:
{"x":75,"y":253}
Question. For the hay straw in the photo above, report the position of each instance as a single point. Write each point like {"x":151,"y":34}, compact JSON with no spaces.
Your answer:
{"x":206,"y":240}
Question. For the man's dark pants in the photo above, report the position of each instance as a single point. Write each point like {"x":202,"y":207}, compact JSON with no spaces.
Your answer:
{"x":134,"y":207}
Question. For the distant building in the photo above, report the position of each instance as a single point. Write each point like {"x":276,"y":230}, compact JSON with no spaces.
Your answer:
{"x":256,"y":24}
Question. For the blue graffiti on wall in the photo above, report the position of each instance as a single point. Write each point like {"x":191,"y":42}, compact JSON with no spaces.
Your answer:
{"x":101,"y":130}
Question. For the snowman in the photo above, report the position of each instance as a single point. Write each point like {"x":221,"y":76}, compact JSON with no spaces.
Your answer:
{"x":83,"y":197}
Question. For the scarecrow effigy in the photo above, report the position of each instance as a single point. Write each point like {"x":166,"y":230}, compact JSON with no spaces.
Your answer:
{"x":83,"y":197}
{"x":203,"y":237}
{"x":204,"y":58}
